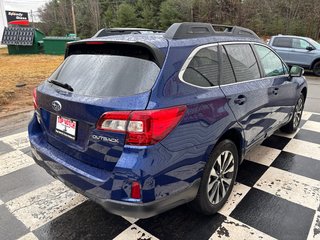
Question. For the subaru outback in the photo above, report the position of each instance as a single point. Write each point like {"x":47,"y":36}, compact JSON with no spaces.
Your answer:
{"x":143,"y":123}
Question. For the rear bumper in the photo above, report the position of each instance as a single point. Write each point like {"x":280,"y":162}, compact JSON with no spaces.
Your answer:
{"x":166,"y":179}
{"x":130,"y":209}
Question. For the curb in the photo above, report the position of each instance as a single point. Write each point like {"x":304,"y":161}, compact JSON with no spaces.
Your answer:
{"x":12,"y":114}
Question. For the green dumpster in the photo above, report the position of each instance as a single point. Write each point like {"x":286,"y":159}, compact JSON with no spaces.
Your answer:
{"x":23,"y":40}
{"x":56,"y":45}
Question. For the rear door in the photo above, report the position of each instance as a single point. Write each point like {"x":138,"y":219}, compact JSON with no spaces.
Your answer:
{"x":101,"y":83}
{"x":248,"y":95}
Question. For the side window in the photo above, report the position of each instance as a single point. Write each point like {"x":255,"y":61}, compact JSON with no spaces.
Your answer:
{"x":203,"y":70}
{"x":243,"y":62}
{"x":300,"y":43}
{"x":227,"y":75}
{"x":284,"y":42}
{"x":271,"y":63}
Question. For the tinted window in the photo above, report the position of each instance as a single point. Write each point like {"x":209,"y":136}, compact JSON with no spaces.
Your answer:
{"x":107,"y":75}
{"x":203,"y":70}
{"x":300,"y":43}
{"x":227,"y":75}
{"x":282,"y":42}
{"x":271,"y":63}
{"x":243,"y":62}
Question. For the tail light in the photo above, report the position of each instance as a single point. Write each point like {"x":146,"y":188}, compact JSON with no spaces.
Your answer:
{"x":135,"y":190}
{"x":35,"y":100}
{"x":145,"y":127}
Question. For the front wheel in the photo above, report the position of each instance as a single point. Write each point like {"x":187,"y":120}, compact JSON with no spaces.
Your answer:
{"x":218,"y":178}
{"x":316,"y":69}
{"x":293,"y":125}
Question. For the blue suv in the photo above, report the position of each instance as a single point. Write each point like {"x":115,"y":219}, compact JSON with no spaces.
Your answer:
{"x":143,"y":123}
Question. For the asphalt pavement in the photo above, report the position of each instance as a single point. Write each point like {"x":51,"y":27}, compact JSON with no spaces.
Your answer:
{"x":313,"y":96}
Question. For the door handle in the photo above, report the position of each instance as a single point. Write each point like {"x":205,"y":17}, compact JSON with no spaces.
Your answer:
{"x":275,"y":91}
{"x":240,"y":100}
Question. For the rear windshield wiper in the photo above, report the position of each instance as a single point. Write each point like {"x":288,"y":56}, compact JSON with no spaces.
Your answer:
{"x":63,"y":85}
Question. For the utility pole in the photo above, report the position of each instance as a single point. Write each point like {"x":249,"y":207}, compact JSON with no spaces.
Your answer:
{"x":31,"y":13}
{"x":73,"y":18}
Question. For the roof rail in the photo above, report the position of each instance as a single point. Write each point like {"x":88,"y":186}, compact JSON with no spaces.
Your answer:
{"x":195,"y":29}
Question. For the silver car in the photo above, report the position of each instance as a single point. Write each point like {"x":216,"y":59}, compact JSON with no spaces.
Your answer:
{"x":295,"y":50}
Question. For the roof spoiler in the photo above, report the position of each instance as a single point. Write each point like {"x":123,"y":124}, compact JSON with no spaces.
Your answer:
{"x":104,"y":46}
{"x":187,"y":30}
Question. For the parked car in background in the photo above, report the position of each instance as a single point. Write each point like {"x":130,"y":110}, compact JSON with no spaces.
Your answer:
{"x":295,"y":50}
{"x":121,"y":31}
{"x":142,"y":123}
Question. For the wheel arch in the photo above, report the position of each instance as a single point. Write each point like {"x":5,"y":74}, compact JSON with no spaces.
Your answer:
{"x":314,"y":62}
{"x":304,"y":92}
{"x":237,"y":137}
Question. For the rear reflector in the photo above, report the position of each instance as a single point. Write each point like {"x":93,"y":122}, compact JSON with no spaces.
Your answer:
{"x":135,"y":190}
{"x":35,"y":100}
{"x":145,"y":127}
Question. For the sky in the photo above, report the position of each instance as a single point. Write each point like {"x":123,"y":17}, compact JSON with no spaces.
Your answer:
{"x":24,"y":6}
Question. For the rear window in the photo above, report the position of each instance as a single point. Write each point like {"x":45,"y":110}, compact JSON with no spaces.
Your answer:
{"x":107,"y":75}
{"x":282,"y":42}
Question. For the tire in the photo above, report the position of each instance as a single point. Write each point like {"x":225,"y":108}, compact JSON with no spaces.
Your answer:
{"x":293,"y":125}
{"x":316,"y":69}
{"x":206,"y":201}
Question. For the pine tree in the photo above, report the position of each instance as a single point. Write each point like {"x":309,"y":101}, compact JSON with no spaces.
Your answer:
{"x":126,"y":16}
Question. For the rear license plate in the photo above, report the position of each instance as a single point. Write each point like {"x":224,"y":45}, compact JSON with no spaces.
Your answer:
{"x":66,"y":127}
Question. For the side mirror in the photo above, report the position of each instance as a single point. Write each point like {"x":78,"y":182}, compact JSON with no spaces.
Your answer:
{"x":309,"y":48}
{"x":296,"y":71}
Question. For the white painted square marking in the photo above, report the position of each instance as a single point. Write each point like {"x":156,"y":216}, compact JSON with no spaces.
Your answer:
{"x":44,"y":204}
{"x":17,"y":141}
{"x":312,"y":126}
{"x":130,"y":219}
{"x":135,"y":232}
{"x":306,"y":115}
{"x":234,"y":229}
{"x":300,"y":147}
{"x":263,"y":155}
{"x":314,"y":233}
{"x":237,"y":194}
{"x":29,"y":236}
{"x":292,"y":187}
{"x":13,"y":161}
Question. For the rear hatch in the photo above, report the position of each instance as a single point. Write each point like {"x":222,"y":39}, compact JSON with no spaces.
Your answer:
{"x":91,"y":81}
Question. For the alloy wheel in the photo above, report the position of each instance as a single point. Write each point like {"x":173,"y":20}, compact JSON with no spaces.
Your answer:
{"x":220,"y":177}
{"x":298,"y":113}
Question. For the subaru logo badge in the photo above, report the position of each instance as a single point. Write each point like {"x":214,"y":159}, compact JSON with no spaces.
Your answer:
{"x":56,"y":105}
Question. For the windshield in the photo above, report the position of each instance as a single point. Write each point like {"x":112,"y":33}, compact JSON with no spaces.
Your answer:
{"x":106,"y":75}
{"x":314,"y":43}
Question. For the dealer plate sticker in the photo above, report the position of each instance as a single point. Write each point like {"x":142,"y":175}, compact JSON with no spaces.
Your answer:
{"x":66,"y":127}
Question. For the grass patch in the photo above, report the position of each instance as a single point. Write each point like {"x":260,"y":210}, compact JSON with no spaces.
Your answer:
{"x":28,"y":69}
